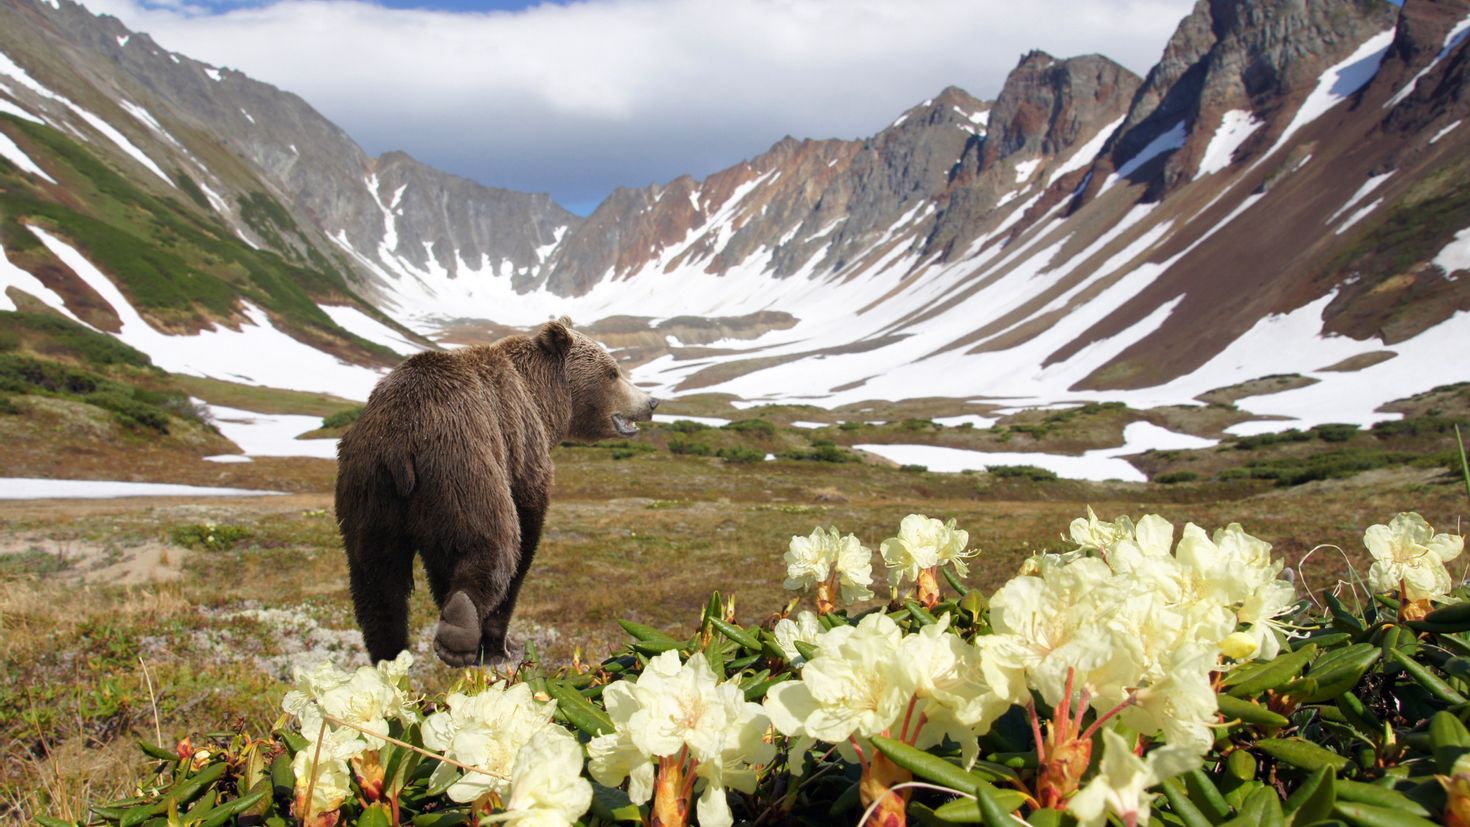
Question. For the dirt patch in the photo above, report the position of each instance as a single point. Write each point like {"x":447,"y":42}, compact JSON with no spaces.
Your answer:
{"x":91,"y":562}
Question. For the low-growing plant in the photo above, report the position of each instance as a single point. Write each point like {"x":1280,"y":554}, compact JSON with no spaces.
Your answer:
{"x":1335,"y":432}
{"x":822,"y":450}
{"x":684,"y":426}
{"x":1059,"y":698}
{"x":914,"y":468}
{"x":210,"y":536}
{"x":918,"y":425}
{"x":849,"y":426}
{"x":1030,"y":472}
{"x":1172,"y":477}
{"x":687,"y":447}
{"x":760,"y":427}
{"x":343,"y":418}
{"x":739,"y":455}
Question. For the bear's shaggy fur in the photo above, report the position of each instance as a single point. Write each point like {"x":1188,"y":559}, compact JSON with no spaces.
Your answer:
{"x":451,"y":458}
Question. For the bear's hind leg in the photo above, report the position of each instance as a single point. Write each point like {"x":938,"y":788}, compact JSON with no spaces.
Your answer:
{"x":477,"y":576}
{"x":532,"y":513}
{"x":381,"y":580}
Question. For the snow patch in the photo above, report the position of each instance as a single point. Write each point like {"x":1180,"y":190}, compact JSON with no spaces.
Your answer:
{"x":1085,"y":154}
{"x":1451,"y":40}
{"x":29,"y":488}
{"x":10,"y":69}
{"x":1356,"y":217}
{"x":1169,"y":141}
{"x":1368,"y":187}
{"x":247,"y":116}
{"x":271,"y":435}
{"x":1235,"y":127}
{"x":1026,"y":169}
{"x":256,"y":354}
{"x":355,"y":321}
{"x":712,"y":421}
{"x":11,"y":109}
{"x":213,"y":73}
{"x":1338,"y":84}
{"x":974,"y":420}
{"x":1456,"y":255}
{"x":12,"y":276}
{"x":15,"y":155}
{"x":1443,"y":132}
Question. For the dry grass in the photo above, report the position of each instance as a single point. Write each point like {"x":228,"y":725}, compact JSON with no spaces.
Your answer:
{"x":645,"y":538}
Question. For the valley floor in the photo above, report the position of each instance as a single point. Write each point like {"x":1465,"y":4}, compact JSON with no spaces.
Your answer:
{"x":162,"y":618}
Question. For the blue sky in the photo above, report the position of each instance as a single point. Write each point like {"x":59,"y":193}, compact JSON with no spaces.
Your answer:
{"x":578,"y":98}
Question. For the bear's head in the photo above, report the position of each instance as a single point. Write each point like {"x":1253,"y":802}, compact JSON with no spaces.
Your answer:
{"x":604,"y":403}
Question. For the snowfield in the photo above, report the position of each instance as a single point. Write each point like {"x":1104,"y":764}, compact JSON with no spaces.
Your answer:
{"x":24,"y":488}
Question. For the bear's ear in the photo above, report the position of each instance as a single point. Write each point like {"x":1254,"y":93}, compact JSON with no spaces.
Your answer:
{"x":566,"y":320}
{"x":555,"y":338}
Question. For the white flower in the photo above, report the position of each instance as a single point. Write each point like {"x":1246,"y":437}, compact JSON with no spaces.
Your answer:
{"x":369,"y":697}
{"x":487,"y":731}
{"x":1122,"y":782}
{"x":547,"y":788}
{"x":856,"y":685}
{"x":1092,"y":534}
{"x":827,"y":559}
{"x":806,"y":628}
{"x":925,"y":543}
{"x":673,"y":708}
{"x":1408,"y":552}
{"x":328,"y":764}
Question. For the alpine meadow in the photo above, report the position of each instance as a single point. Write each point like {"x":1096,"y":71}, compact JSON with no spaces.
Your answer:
{"x":1088,"y":449}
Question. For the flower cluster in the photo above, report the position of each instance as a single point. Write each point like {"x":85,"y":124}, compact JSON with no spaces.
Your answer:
{"x":1128,"y":618}
{"x":519,"y":760}
{"x":922,"y":546}
{"x":835,"y":566}
{"x":1409,"y":558}
{"x":697,"y":731}
{"x":344,"y":718}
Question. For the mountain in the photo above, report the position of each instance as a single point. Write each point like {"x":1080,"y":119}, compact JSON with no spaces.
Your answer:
{"x":1284,"y":192}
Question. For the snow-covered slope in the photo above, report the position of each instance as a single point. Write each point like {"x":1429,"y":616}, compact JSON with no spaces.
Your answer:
{"x":1284,"y":192}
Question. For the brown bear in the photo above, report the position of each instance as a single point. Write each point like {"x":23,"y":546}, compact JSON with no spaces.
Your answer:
{"x":451,"y":458}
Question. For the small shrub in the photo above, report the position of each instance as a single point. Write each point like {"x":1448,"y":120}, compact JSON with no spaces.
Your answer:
{"x":761,"y":427}
{"x":1234,"y":474}
{"x":1030,"y":472}
{"x":914,"y":468}
{"x":822,"y":451}
{"x":1414,"y":426}
{"x":341,"y":419}
{"x":209,"y":536}
{"x":1335,"y":432}
{"x":740,"y":455}
{"x":849,"y":426}
{"x":1175,"y":477}
{"x":686,"y":447}
{"x":917,"y":425}
{"x":8,"y":406}
{"x":684,"y":426}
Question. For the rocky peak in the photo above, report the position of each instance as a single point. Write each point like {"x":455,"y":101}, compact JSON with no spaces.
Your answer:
{"x":1047,"y":103}
{"x":1260,"y":57}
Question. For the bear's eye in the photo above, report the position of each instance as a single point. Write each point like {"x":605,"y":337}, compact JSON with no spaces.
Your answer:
{"x":612,"y":373}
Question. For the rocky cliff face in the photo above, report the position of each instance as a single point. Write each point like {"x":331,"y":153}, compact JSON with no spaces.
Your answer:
{"x":239,"y":136}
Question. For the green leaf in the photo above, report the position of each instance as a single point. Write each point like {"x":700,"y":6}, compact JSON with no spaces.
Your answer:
{"x":967,"y":810}
{"x":1377,"y":796}
{"x":1272,"y":674}
{"x":376,"y":815}
{"x":1182,"y":806}
{"x":1454,"y":614}
{"x":155,"y":751}
{"x":283,"y":777}
{"x":1432,"y":683}
{"x":229,"y":809}
{"x":1241,"y":765}
{"x":992,"y":811}
{"x":1449,"y":739}
{"x":954,"y":581}
{"x":756,"y":691}
{"x":445,"y":818}
{"x":613,"y":805}
{"x":927,"y":766}
{"x":648,"y":634}
{"x":1263,"y":808}
{"x":48,"y":821}
{"x":1335,"y":673}
{"x":1359,"y":716}
{"x":1205,"y":795}
{"x":919,"y":613}
{"x":1366,"y":815}
{"x":1250,"y":712}
{"x":1313,"y":800}
{"x":736,"y":634}
{"x":806,"y":650}
{"x":579,"y":711}
{"x":1301,"y":753}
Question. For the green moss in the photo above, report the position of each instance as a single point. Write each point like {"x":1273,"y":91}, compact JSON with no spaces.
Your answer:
{"x":1030,"y":472}
{"x":342,"y":419}
{"x":54,"y":335}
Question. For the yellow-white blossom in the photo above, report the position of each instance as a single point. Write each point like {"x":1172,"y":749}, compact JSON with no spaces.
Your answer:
{"x":547,"y":788}
{"x":369,"y":697}
{"x":1408,"y":554}
{"x":328,"y":765}
{"x":1092,"y":534}
{"x":925,"y":543}
{"x":1122,"y":782}
{"x":805,"y":628}
{"x":674,"y":707}
{"x":486,"y":730}
{"x":825,"y":556}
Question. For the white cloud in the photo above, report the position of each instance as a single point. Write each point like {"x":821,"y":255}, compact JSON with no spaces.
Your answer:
{"x":579,"y":98}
